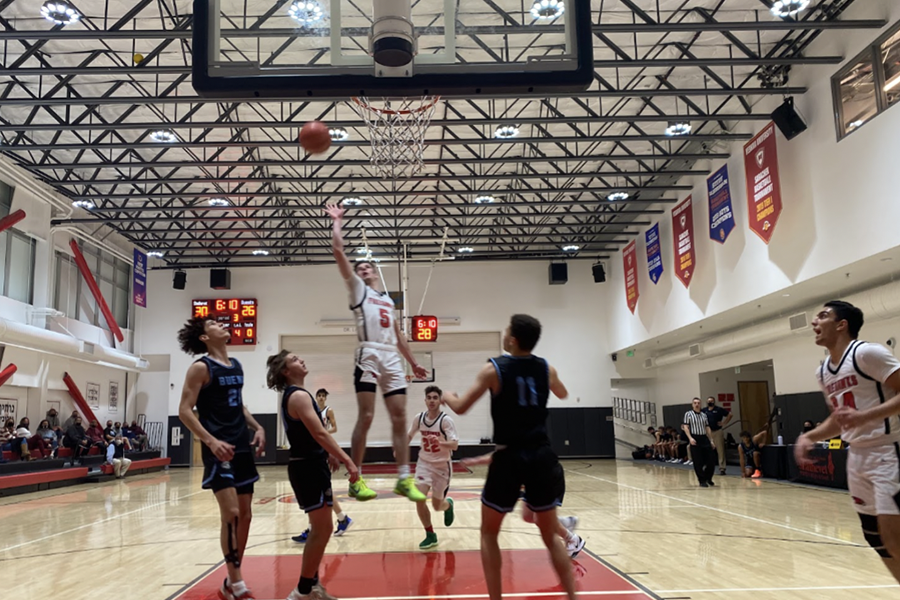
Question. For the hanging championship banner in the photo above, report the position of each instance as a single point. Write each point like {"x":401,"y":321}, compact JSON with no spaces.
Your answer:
{"x":721,"y":217}
{"x":139,"y":284}
{"x":763,"y":187}
{"x":629,"y":259}
{"x":654,"y":254}
{"x":683,"y":236}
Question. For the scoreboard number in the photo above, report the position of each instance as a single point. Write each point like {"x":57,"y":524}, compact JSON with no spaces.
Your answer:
{"x":238,"y":315}
{"x":424,"y":328}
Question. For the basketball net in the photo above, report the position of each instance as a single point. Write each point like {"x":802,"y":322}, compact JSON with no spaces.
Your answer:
{"x":397,"y":131}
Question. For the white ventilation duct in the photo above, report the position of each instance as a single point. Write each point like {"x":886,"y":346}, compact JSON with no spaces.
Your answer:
{"x":877,"y":304}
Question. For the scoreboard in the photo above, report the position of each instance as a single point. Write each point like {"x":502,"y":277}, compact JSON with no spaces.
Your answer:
{"x":236,"y":314}
{"x":424,"y":328}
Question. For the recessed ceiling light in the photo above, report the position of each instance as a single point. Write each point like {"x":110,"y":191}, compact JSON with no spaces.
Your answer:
{"x":352,"y":201}
{"x":486,"y":199}
{"x":217,"y":202}
{"x":362,"y":250}
{"x":306,"y":12}
{"x":788,"y":8}
{"x":163,"y":136}
{"x":505,"y":132}
{"x":571,"y":248}
{"x":617,"y":196}
{"x":677,"y":128}
{"x":260,"y":253}
{"x":338,"y":134}
{"x":156,"y":254}
{"x":544,"y":10}
{"x":85,"y":204}
{"x":465,"y":250}
{"x":59,"y":12}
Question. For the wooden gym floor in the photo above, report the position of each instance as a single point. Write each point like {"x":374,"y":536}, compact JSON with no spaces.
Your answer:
{"x":651,"y":533}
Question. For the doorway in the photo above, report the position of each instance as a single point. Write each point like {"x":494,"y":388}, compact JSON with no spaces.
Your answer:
{"x":754,"y":398}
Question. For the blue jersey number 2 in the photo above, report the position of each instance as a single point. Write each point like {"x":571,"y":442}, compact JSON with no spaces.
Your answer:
{"x":234,"y":397}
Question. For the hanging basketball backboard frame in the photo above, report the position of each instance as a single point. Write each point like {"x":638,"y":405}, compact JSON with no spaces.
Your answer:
{"x":567,"y":69}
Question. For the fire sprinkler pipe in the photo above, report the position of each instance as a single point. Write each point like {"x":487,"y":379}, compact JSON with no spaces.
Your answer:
{"x":79,"y":399}
{"x":95,"y":290}
{"x":8,"y":372}
{"x":11,"y":219}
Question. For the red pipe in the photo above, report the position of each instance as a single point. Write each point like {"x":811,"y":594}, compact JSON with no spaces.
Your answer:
{"x":79,"y":399}
{"x":104,"y":308}
{"x":11,"y":219}
{"x":8,"y":372}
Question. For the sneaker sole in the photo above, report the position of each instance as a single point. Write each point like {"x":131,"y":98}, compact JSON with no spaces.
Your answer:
{"x":424,"y":498}
{"x":428,"y":547}
{"x":359,"y":499}
{"x":341,"y":532}
{"x":450,"y":515}
{"x":578,"y":550}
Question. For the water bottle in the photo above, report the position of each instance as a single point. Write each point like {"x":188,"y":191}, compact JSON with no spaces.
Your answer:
{"x":781,"y":440}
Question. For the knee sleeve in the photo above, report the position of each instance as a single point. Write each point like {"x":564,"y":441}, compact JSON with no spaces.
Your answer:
{"x":873,"y":537}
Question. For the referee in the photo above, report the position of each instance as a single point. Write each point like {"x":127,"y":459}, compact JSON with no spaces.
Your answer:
{"x":696,"y":426}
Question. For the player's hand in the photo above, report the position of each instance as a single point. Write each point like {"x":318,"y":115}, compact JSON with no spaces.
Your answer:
{"x":222,"y":450}
{"x":335,"y":211}
{"x":712,"y":444}
{"x":352,"y":471}
{"x":848,"y":418}
{"x":333,"y":463}
{"x":801,"y":450}
{"x":693,"y":442}
{"x":259,"y":440}
{"x":420,"y":372}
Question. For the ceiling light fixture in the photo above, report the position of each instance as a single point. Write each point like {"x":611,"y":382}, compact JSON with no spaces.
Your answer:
{"x":306,"y":12}
{"x":352,"y":201}
{"x":260,"y":253}
{"x":788,"y":8}
{"x":362,"y":250}
{"x":338,"y":134}
{"x":465,"y":250}
{"x":60,"y":13}
{"x":505,"y":132}
{"x":677,"y":128}
{"x":156,"y":254}
{"x":571,"y":248}
{"x":545,"y":10}
{"x":217,"y":202}
{"x":617,"y":196}
{"x":85,"y":204}
{"x":486,"y":199}
{"x":163,"y":136}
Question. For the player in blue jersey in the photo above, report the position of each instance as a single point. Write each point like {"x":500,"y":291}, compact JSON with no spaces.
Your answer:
{"x":212,"y":388}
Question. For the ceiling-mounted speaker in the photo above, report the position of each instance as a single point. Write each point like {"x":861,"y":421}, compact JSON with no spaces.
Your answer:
{"x":220,"y":279}
{"x":180,"y":280}
{"x":559,"y":273}
{"x":599,"y":273}
{"x":788,"y":119}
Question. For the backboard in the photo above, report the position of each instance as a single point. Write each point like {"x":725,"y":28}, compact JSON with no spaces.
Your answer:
{"x":327,"y":49}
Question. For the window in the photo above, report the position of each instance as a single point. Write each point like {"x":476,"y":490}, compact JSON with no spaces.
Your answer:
{"x":869,"y":84}
{"x":74,"y":298}
{"x":16,"y":256}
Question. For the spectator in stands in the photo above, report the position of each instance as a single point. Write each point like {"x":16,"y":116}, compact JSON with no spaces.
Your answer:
{"x":76,"y":439}
{"x":95,"y":436}
{"x":808,"y":426}
{"x":53,"y":419}
{"x":109,"y":433}
{"x":115,"y":455}
{"x":8,"y":435}
{"x":750,"y":451}
{"x":70,"y":421}
{"x":48,"y":434}
{"x":31,"y":441}
{"x":140,"y":436}
{"x":673,"y":445}
{"x":117,"y":427}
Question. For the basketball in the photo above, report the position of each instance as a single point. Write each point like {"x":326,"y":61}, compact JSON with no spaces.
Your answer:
{"x":314,"y":137}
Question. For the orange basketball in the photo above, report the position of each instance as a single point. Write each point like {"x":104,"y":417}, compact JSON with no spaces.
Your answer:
{"x":314,"y":137}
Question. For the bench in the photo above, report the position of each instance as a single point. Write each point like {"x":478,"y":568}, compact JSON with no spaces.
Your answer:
{"x":41,"y":479}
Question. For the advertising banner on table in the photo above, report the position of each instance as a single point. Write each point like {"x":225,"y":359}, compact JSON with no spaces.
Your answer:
{"x":763,"y":187}
{"x":140,"y":278}
{"x":629,"y":258}
{"x":683,"y":236}
{"x":721,"y":217}
{"x":654,"y":254}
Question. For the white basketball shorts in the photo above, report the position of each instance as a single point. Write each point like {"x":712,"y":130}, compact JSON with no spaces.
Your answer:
{"x":380,"y":364}
{"x":873,"y":476}
{"x":436,"y":475}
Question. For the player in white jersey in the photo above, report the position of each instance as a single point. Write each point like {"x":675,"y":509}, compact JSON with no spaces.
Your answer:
{"x":433,"y":469}
{"x":378,"y":363}
{"x":860,"y":381}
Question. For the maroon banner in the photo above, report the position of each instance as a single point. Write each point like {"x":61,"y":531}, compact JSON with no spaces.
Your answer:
{"x":683,"y":236}
{"x":763,"y":187}
{"x":629,"y":259}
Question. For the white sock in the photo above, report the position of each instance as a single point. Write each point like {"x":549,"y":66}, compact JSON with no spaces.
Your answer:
{"x":238,"y":588}
{"x":341,"y":516}
{"x":404,"y":471}
{"x":570,"y":537}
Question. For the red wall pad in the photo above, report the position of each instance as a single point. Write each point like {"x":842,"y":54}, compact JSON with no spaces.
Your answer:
{"x":104,"y":308}
{"x":8,"y":372}
{"x":79,"y":399}
{"x":11,"y":219}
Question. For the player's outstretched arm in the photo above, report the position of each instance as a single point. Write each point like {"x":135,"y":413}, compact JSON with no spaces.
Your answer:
{"x":406,"y":352}
{"x":336,"y":212}
{"x":300,"y":407}
{"x":198,"y":376}
{"x":556,"y":385}
{"x":486,"y":380}
{"x":259,"y":434}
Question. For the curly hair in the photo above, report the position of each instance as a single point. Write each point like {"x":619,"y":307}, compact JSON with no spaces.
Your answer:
{"x":275,"y":364}
{"x":189,"y":336}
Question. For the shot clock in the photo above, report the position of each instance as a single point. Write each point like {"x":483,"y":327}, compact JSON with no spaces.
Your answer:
{"x":424,"y":329}
{"x":236,"y":314}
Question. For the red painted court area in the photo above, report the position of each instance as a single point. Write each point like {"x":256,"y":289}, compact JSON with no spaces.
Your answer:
{"x":421,"y":576}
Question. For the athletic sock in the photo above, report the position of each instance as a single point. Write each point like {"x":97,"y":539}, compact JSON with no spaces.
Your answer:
{"x":306,"y":585}
{"x":341,"y":516}
{"x":570,"y":537}
{"x":404,"y":471}
{"x":429,"y":530}
{"x":238,"y":588}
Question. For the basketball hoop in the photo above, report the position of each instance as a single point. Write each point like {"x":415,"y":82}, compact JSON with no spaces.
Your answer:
{"x":397,"y":132}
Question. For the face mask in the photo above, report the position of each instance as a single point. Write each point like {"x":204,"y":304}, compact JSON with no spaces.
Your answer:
{"x":807,"y":428}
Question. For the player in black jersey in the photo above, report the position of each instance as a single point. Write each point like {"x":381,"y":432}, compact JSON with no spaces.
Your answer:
{"x":520,"y":385}
{"x":213,"y":387}
{"x":310,"y":466}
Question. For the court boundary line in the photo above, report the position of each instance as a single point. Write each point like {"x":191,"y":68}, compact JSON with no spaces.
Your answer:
{"x":723,"y":511}
{"x":785,"y":589}
{"x":640,"y":586}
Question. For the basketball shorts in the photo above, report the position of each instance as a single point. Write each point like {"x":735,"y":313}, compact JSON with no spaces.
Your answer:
{"x":873,"y":476}
{"x":435,"y":475}
{"x":239,"y":472}
{"x":537,"y":470}
{"x":311,"y":481}
{"x":381,"y":365}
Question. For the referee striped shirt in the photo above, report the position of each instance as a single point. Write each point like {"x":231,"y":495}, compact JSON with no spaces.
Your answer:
{"x":696,"y":421}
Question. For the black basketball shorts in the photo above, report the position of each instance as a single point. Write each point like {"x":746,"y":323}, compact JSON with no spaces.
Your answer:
{"x":536,"y":469}
{"x":311,"y":481}
{"x":239,"y":473}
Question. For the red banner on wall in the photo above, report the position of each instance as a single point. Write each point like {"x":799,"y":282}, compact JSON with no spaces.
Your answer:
{"x":683,"y":236}
{"x":629,"y":259}
{"x":763,"y":187}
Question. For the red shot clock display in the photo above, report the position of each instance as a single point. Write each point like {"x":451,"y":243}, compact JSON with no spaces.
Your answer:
{"x":424,"y":329}
{"x":236,"y":314}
